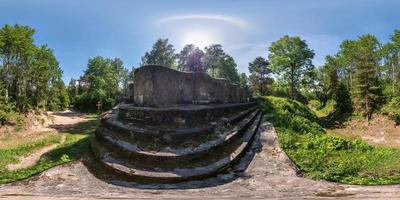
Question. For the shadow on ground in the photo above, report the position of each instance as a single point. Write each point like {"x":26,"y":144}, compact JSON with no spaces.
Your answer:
{"x":83,"y":128}
{"x":335,"y":120}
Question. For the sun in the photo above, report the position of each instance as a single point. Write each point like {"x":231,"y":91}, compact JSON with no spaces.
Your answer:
{"x":200,"y":39}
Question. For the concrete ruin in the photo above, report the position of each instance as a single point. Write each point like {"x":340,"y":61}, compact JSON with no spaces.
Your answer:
{"x":180,"y":126}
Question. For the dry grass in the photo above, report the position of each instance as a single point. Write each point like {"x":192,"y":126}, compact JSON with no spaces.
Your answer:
{"x":10,"y":141}
{"x":380,"y":131}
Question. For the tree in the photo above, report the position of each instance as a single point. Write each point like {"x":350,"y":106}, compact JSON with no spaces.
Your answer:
{"x":259,"y":72}
{"x":29,"y":72}
{"x":190,"y":59}
{"x":162,"y":53}
{"x":291,"y":58}
{"x":44,"y":71}
{"x":243,"y":80}
{"x":346,"y":56}
{"x":391,"y":56}
{"x":366,"y":60}
{"x":103,"y":81}
{"x":73,"y":91}
{"x":121,"y":76}
{"x":212,"y":57}
{"x":329,"y":76}
{"x":227,"y":69}
{"x":16,"y":48}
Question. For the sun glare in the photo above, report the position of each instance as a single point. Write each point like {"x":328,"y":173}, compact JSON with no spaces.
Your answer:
{"x":200,"y":39}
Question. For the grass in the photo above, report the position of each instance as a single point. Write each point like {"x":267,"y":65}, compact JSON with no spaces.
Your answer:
{"x":322,"y":156}
{"x":75,"y":146}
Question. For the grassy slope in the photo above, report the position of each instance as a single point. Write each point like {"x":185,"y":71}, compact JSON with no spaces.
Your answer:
{"x":76,"y":145}
{"x":322,"y":156}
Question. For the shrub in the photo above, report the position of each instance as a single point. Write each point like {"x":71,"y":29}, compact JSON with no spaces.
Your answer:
{"x":314,"y":104}
{"x":322,"y":156}
{"x":392,"y":109}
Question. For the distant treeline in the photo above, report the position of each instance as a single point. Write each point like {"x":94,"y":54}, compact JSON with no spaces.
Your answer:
{"x":364,"y":75}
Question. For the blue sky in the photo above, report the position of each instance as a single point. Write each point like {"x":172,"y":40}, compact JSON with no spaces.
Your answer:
{"x":78,"y":30}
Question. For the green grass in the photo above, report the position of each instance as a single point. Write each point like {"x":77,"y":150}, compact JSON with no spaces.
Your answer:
{"x":321,"y":156}
{"x":75,"y":146}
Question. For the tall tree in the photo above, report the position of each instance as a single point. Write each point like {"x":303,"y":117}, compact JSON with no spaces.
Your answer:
{"x":291,"y":58}
{"x":29,"y":72}
{"x":73,"y":91}
{"x":16,"y":48}
{"x":243,"y":80}
{"x":259,"y":75}
{"x":190,"y":59}
{"x":366,"y":61}
{"x":227,"y":69}
{"x":330,"y":78}
{"x":212,"y":57}
{"x":347,"y":51}
{"x":44,"y":72}
{"x":121,"y":75}
{"x":162,"y":53}
{"x":391,"y":56}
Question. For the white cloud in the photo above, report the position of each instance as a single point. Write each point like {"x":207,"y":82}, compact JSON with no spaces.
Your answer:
{"x":234,"y":21}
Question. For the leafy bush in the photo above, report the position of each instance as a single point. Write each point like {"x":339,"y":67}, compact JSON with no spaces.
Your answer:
{"x":314,"y":104}
{"x":393,"y":109}
{"x":321,"y":156}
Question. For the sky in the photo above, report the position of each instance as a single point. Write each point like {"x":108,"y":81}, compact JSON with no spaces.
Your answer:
{"x":81,"y":29}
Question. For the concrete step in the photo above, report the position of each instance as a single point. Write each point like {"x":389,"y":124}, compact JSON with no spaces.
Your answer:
{"x":186,"y":171}
{"x":181,"y":115}
{"x":159,"y":136}
{"x":172,"y":154}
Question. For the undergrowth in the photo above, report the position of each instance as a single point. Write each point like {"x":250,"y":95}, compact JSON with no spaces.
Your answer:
{"x":77,"y":143}
{"x":321,"y":156}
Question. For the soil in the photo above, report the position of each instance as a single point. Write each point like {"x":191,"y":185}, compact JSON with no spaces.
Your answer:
{"x":380,"y":131}
{"x":53,"y":123}
{"x":33,"y":158}
{"x":264,"y":172}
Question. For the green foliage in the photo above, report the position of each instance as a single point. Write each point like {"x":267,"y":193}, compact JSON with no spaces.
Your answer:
{"x":76,"y":145}
{"x":162,"y":53}
{"x":314,"y":104}
{"x":103,"y":81}
{"x":243,"y":80}
{"x":30,"y":74}
{"x":291,"y":59}
{"x":227,"y":69}
{"x":393,"y":109}
{"x":190,"y":59}
{"x":212,"y":57}
{"x":259,"y":75}
{"x":320,"y":156}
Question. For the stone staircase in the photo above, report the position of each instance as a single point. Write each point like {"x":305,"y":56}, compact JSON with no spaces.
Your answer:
{"x":170,"y":144}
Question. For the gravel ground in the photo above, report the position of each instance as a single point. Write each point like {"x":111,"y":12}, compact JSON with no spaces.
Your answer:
{"x":265,"y":172}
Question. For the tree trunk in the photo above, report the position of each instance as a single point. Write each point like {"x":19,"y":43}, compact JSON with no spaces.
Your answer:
{"x":292,"y":83}
{"x":367,"y":106}
{"x":393,"y":77}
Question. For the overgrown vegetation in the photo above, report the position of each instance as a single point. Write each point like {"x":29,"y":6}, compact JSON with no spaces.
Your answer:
{"x":321,"y":156}
{"x":74,"y":148}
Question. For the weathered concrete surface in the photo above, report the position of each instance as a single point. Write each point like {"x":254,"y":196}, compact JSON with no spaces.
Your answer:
{"x":265,"y":172}
{"x":158,"y":86}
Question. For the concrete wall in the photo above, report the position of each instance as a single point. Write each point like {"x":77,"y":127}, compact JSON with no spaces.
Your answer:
{"x":158,"y":86}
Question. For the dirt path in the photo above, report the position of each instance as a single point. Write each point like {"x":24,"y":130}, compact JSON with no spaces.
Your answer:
{"x":33,"y":158}
{"x":265,"y":172}
{"x":60,"y":121}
